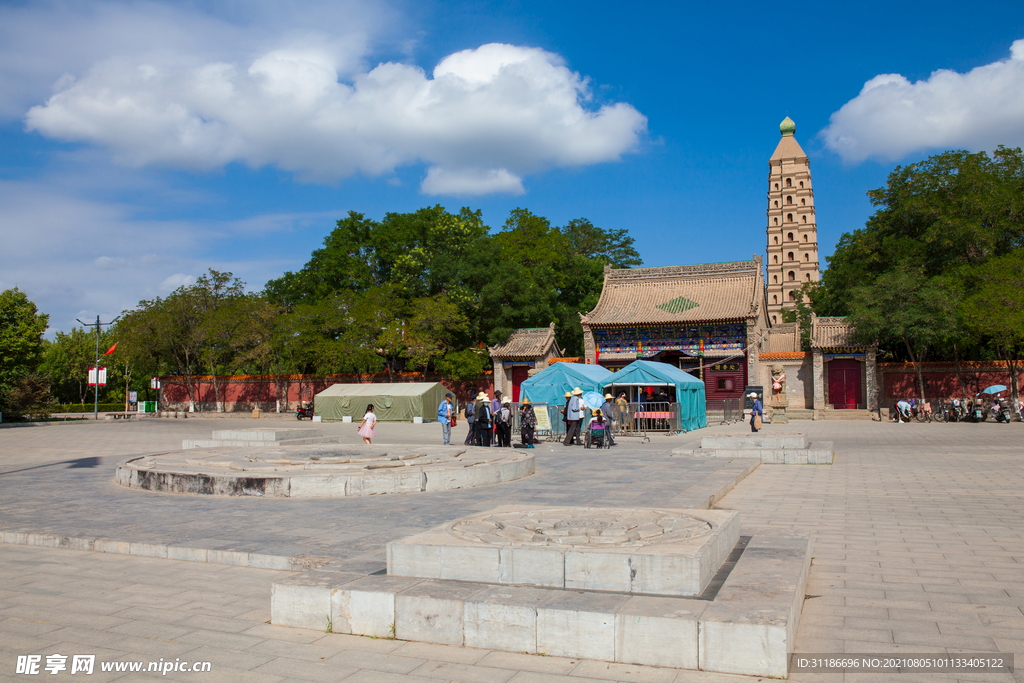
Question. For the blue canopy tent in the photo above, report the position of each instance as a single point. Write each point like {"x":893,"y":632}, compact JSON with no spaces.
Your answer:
{"x":550,"y":384}
{"x":688,"y":389}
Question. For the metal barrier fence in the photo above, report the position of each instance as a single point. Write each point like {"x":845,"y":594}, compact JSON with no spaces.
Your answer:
{"x":631,"y":419}
{"x":732,"y":411}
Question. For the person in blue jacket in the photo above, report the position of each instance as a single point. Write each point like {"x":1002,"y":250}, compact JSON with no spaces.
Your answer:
{"x":445,"y":413}
{"x":755,"y":410}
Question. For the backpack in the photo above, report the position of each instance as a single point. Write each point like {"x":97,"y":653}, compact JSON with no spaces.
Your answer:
{"x":505,"y":416}
{"x":468,"y":412}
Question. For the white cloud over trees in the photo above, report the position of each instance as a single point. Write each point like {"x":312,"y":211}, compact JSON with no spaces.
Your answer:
{"x":892,"y":117}
{"x":484,"y":118}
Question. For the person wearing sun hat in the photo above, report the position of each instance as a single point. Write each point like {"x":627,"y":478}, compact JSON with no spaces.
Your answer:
{"x":756,"y":412}
{"x":609,"y":415}
{"x":574,"y":418}
{"x":483,"y":420}
{"x":527,"y":422}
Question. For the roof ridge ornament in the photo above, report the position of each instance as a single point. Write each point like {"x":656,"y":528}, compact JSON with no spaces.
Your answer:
{"x":787,"y":127}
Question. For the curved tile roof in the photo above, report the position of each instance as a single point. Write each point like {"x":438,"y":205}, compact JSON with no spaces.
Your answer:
{"x":526,"y":342}
{"x":700,"y":293}
{"x":829,"y":333}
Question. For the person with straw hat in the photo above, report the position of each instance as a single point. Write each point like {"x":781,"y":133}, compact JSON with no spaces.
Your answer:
{"x":527,"y":422}
{"x":483,"y":420}
{"x":574,"y":418}
{"x":606,"y":410}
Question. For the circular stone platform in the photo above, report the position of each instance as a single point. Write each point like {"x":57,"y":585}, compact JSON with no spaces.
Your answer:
{"x":322,"y":471}
{"x":605,"y":527}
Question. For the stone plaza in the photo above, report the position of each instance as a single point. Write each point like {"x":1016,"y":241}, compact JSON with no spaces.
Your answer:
{"x":915,"y":531}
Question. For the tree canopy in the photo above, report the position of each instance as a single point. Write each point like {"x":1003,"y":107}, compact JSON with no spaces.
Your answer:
{"x":933,"y":267}
{"x":22,"y":350}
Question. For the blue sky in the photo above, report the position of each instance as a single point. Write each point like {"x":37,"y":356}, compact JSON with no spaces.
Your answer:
{"x":144,"y":142}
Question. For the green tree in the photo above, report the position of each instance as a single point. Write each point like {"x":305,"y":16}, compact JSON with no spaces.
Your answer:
{"x":21,"y":347}
{"x":903,"y":307}
{"x":67,"y":361}
{"x":995,"y":309}
{"x":951,"y":211}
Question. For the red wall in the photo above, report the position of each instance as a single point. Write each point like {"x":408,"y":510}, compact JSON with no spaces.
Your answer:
{"x":251,"y":391}
{"x":943,"y":383}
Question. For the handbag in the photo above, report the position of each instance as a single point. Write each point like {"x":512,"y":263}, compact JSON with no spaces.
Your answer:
{"x":757,"y":422}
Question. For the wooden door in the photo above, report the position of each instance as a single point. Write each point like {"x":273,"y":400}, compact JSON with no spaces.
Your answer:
{"x":519,"y":375}
{"x":844,"y":384}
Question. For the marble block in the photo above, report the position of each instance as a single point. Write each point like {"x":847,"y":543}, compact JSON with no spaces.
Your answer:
{"x":629,"y":550}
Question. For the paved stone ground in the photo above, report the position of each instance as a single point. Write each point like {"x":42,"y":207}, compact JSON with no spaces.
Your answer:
{"x":917,"y":548}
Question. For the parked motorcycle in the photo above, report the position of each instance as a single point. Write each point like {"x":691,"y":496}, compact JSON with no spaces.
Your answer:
{"x":1001,"y":411}
{"x":301,"y":412}
{"x":978,"y":412}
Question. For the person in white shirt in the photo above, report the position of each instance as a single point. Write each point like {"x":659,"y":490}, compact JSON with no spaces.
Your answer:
{"x":366,"y":429}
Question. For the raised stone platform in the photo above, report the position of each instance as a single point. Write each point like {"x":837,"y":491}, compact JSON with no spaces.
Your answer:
{"x":670,"y":552}
{"x":744,"y":622}
{"x":322,"y":471}
{"x":260,"y":438}
{"x":789,"y":448}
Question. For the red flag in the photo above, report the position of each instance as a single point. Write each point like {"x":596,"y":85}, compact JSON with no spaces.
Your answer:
{"x":111,"y":349}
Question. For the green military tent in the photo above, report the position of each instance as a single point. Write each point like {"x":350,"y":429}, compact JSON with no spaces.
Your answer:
{"x":688,"y":389}
{"x":401,"y":402}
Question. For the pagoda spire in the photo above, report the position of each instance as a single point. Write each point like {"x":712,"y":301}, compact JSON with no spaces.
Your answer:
{"x":792,"y":249}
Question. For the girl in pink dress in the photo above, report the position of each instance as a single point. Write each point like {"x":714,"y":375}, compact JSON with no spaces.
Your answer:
{"x":366,"y":429}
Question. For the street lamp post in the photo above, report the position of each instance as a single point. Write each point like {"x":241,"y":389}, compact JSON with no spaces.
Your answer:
{"x":96,"y":388}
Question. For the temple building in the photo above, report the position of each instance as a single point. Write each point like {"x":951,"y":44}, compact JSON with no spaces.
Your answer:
{"x":792,"y":231}
{"x":528,"y":350}
{"x":723,"y":322}
{"x":706,"y":319}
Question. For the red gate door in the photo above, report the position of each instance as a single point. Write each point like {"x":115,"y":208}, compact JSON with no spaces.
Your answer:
{"x":519,"y":375}
{"x":844,"y":385}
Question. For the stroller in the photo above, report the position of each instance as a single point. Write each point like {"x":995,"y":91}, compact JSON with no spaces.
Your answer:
{"x":597,"y":432}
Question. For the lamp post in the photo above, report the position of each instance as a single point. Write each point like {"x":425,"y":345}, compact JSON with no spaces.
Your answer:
{"x":96,"y":388}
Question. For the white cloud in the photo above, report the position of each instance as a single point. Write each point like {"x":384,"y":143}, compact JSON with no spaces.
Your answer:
{"x":77,"y":256}
{"x":471,"y":182}
{"x":485,"y":118}
{"x":892,"y":117}
{"x":44,"y":42}
{"x":172,"y":282}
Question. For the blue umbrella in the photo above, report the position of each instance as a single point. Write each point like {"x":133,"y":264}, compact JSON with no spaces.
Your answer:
{"x":593,"y":399}
{"x":994,"y":389}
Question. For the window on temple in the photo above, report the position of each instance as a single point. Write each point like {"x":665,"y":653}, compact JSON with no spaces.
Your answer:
{"x":776,"y":204}
{"x":776,"y":221}
{"x":776,"y":186}
{"x":807,"y":257}
{"x":805,"y":219}
{"x":789,"y":182}
{"x":791,"y":257}
{"x":792,"y":276}
{"x":775,"y":279}
{"x":792,"y":295}
{"x":789,"y":217}
{"x":789,"y":237}
{"x":805,"y":236}
{"x":801,"y":183}
{"x":803,"y":201}
{"x":776,"y":238}
{"x":775,"y":258}
{"x":775,"y":299}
